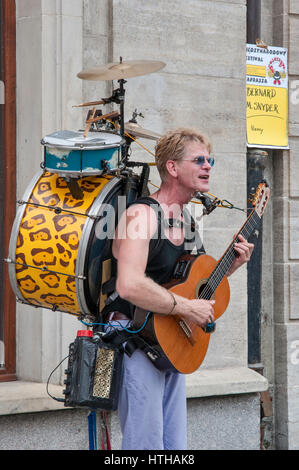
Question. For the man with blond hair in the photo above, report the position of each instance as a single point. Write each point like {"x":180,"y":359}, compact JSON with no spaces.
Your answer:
{"x":152,"y":404}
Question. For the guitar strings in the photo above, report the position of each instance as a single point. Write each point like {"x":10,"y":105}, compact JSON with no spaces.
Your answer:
{"x":224,"y":264}
{"x":228,"y":258}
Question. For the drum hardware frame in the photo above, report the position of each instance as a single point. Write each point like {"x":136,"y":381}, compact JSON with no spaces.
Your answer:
{"x":117,"y":97}
{"x":45,"y":268}
{"x":105,"y":165}
{"x":119,"y":94}
{"x":144,"y":176}
{"x":134,"y":116}
{"x":74,"y":188}
{"x":119,"y":71}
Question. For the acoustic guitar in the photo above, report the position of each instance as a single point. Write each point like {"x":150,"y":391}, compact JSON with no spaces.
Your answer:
{"x":176,"y":343}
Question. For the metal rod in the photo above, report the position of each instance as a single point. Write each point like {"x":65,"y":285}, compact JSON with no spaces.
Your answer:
{"x":57,"y":209}
{"x":253,"y":21}
{"x":122,"y":115}
{"x":44,"y":268}
{"x":255,"y":173}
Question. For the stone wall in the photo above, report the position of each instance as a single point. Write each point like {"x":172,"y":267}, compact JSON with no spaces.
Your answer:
{"x":49,"y":55}
{"x":286,"y":236}
{"x":202,"y":43}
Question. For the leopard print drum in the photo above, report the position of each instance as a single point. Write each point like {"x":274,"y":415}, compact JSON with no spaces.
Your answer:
{"x":55,"y":254}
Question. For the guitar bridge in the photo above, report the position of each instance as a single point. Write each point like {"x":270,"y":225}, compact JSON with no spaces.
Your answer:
{"x":185,"y":328}
{"x":187,"y":331}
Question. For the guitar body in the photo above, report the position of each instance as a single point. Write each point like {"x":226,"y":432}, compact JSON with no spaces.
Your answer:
{"x":173,"y":342}
{"x":185,"y":352}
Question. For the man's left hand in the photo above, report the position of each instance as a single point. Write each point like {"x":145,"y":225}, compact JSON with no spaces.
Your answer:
{"x":243,"y":251}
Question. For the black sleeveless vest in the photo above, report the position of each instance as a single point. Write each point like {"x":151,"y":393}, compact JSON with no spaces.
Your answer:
{"x":163,"y":254}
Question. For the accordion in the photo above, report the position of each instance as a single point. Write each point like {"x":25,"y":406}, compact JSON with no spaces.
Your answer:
{"x":93,"y":373}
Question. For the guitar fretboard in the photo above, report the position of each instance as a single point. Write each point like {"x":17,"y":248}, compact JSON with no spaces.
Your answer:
{"x":228,"y":257}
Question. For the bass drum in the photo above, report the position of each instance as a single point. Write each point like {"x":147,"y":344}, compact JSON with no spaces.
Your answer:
{"x":60,"y":246}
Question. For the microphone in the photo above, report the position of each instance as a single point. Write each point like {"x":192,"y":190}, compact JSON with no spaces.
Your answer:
{"x":208,"y":203}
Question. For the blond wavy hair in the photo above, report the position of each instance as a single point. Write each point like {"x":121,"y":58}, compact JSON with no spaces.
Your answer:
{"x":172,"y":146}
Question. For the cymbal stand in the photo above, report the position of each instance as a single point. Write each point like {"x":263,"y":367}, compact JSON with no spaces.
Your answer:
{"x":122,"y":116}
{"x":118,"y":97}
{"x":122,"y":106}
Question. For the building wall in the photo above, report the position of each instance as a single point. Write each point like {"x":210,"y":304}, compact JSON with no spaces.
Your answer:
{"x":186,"y":36}
{"x":176,"y":96}
{"x":202,"y":85}
{"x":285,"y":252}
{"x":49,"y":55}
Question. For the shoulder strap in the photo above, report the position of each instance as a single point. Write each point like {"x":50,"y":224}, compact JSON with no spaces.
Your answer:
{"x":112,"y":300}
{"x":149,"y":201}
{"x":192,"y":232}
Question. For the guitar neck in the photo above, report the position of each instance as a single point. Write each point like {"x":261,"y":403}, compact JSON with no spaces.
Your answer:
{"x":228,"y":257}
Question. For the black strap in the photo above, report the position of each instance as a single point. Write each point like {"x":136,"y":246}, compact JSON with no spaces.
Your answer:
{"x":132,"y":342}
{"x":149,"y":201}
{"x":189,"y":221}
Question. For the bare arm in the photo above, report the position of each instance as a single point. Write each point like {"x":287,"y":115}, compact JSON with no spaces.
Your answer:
{"x":131,"y":248}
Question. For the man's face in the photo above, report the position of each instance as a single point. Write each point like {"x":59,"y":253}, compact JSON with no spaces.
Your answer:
{"x":194,"y":172}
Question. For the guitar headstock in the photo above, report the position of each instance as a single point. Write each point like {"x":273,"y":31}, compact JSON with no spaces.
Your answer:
{"x":261,"y":198}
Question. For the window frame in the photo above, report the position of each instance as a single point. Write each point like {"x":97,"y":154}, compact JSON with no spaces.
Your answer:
{"x":8,"y":154}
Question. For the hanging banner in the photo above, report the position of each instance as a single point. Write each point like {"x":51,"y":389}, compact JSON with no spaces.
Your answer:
{"x":267,"y":96}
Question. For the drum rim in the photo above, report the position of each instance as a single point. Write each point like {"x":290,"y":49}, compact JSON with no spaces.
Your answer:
{"x":12,"y":248}
{"x":75,"y":174}
{"x":80,"y":147}
{"x":83,"y":147}
{"x":84,"y":240}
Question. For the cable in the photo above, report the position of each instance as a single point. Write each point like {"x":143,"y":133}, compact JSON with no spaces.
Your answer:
{"x":223,"y":203}
{"x":131,"y":137}
{"x":116,"y":321}
{"x":62,"y":400}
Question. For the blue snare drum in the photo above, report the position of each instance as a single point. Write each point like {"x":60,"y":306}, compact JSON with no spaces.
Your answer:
{"x":69,"y":153}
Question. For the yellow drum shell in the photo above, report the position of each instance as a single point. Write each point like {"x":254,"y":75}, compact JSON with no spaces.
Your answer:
{"x":48,"y":241}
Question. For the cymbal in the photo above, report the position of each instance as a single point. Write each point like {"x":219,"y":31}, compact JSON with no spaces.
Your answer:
{"x":136,"y":130}
{"x":121,"y":70}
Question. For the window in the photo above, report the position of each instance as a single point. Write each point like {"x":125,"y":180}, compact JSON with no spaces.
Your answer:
{"x":8,"y":182}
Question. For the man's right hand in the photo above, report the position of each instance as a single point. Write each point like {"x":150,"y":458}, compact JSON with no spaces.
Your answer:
{"x":200,"y":311}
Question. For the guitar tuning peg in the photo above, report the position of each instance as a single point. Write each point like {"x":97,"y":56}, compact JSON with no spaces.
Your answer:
{"x":251,"y":197}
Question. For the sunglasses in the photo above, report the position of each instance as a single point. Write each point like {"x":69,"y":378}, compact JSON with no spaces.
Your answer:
{"x":201,"y":160}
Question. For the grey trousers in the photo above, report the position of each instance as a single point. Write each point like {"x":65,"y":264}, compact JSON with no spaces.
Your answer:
{"x":152,"y":406}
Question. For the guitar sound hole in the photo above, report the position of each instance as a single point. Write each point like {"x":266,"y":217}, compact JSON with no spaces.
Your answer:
{"x":204,"y":291}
